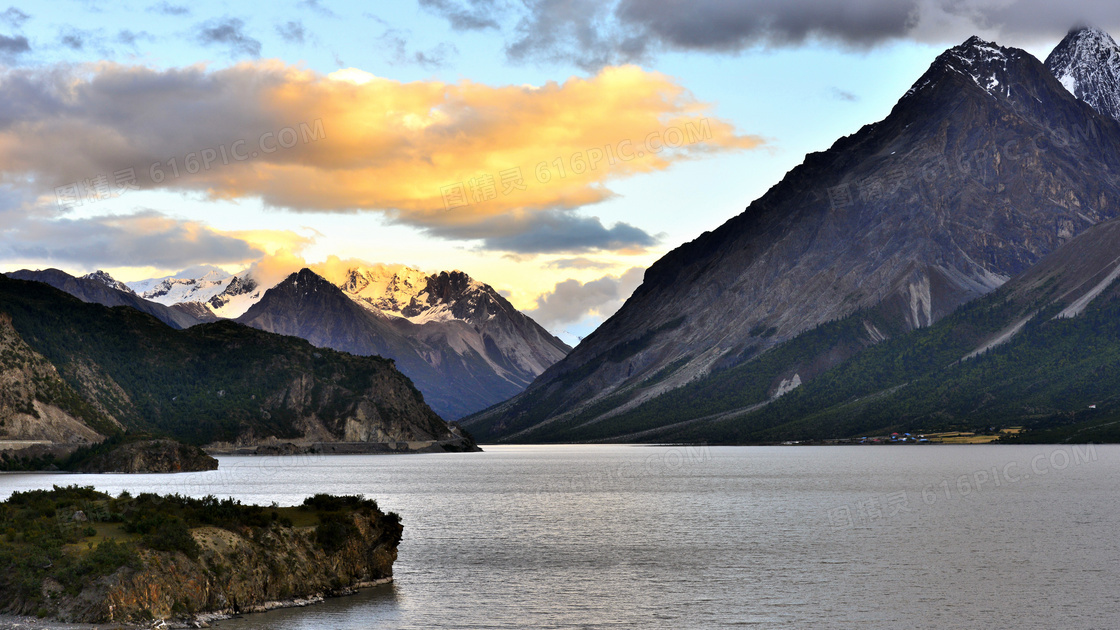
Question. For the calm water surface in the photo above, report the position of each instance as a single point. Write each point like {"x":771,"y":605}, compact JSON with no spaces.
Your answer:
{"x":677,"y":537}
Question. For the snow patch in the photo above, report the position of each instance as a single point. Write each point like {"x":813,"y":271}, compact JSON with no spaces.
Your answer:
{"x":1069,"y":83}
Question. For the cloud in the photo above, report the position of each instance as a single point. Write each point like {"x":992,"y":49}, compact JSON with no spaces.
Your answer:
{"x":272,"y":269}
{"x":11,"y":46}
{"x":73,"y":39}
{"x":576,"y":31}
{"x":464,"y":160}
{"x":229,"y":32}
{"x":317,"y":7}
{"x":291,"y":31}
{"x":843,"y":95}
{"x":1020,"y":22}
{"x":572,"y":301}
{"x":148,"y":237}
{"x":166,"y":8}
{"x":550,"y":232}
{"x":721,"y":26}
{"x":597,"y":33}
{"x":580,"y":262}
{"x":396,"y":42}
{"x":475,"y":15}
{"x":129,"y":38}
{"x":14,"y":18}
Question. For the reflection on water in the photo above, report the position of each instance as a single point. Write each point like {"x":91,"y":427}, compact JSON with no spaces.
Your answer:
{"x":677,"y":537}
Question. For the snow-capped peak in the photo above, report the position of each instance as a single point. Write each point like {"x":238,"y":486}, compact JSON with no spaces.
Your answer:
{"x":985,"y":63}
{"x":401,"y":291}
{"x":220,"y":292}
{"x":241,"y":292}
{"x":1087,"y":63}
{"x":108,"y":280}
{"x":388,"y":289}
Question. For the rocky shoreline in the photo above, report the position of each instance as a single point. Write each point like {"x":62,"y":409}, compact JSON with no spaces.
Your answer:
{"x":201,"y":620}
{"x":178,"y":562}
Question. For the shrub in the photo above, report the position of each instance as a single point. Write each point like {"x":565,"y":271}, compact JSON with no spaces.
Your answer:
{"x":172,"y":535}
{"x":334,"y":531}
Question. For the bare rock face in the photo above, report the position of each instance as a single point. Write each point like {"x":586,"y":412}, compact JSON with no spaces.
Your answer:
{"x":31,"y":391}
{"x":241,"y":573}
{"x":985,"y":166}
{"x":187,"y":560}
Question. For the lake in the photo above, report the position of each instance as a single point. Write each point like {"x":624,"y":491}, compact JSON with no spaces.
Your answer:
{"x":707,"y":537}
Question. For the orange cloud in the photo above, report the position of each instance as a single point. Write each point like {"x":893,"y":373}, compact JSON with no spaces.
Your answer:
{"x":427,"y":153}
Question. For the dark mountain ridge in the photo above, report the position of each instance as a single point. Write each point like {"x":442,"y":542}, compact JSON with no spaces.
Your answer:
{"x":114,"y":368}
{"x":485,"y":352}
{"x":985,"y":166}
{"x":100,"y":288}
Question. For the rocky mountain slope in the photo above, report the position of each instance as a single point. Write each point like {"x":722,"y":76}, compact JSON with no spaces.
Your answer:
{"x":985,"y":166}
{"x":101,"y":288}
{"x":1087,"y":63}
{"x":36,"y":404}
{"x":464,"y":345}
{"x":1041,"y":352}
{"x":213,"y":382}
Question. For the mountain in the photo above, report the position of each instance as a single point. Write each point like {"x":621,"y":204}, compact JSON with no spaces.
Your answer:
{"x":982,"y":168}
{"x":463,"y":344}
{"x":1041,"y":352}
{"x":108,"y":280}
{"x":510,"y":340}
{"x":101,"y":288}
{"x":208,"y":292}
{"x":36,"y":403}
{"x":1087,"y":63}
{"x":78,"y":364}
{"x":240,"y":292}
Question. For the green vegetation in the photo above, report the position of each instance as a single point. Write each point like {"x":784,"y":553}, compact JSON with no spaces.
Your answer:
{"x":87,"y":458}
{"x":74,"y":535}
{"x":1046,"y":376}
{"x":209,"y":383}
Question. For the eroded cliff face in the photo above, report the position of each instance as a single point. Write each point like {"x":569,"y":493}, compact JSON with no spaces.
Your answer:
{"x":251,"y":570}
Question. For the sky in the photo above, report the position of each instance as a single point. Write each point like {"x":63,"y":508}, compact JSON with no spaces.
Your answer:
{"x":553,"y":149}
